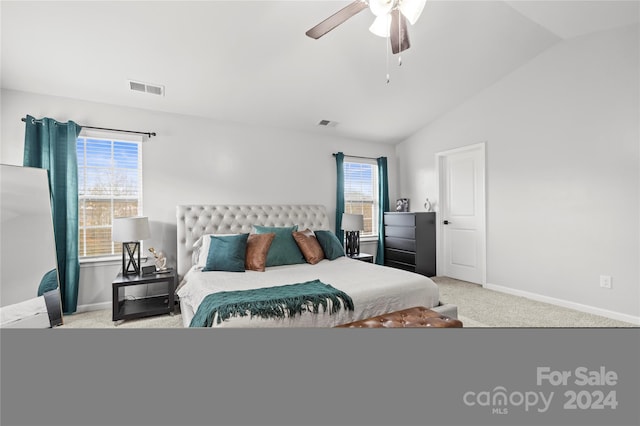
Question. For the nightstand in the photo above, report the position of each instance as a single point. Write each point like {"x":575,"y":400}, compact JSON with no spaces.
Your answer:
{"x":143,"y":307}
{"x":365,"y":257}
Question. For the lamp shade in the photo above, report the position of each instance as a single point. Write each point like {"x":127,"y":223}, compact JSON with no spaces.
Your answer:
{"x":352,"y":222}
{"x":381,"y":26}
{"x":127,"y":229}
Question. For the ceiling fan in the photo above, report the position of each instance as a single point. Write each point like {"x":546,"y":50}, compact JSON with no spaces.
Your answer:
{"x":391,"y":19}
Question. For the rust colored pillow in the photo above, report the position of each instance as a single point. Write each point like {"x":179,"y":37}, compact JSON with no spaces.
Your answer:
{"x":309,"y":246}
{"x":257,"y":248}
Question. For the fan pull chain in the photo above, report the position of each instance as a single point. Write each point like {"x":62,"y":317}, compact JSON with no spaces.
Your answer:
{"x":387,"y":42}
{"x":399,"y":41}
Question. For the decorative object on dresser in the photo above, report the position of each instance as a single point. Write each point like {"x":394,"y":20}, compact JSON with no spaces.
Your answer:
{"x":352,"y":224}
{"x":402,"y":205}
{"x":161,"y":259}
{"x":129,"y":231}
{"x":410,"y":241}
{"x":427,"y":205}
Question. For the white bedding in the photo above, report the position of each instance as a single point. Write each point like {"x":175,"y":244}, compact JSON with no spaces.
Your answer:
{"x":374,"y":289}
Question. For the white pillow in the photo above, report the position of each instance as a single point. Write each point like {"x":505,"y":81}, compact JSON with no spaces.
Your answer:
{"x":201,"y":249}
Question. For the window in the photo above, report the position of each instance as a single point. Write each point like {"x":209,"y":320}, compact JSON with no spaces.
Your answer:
{"x":361,"y":194}
{"x":109,"y":185}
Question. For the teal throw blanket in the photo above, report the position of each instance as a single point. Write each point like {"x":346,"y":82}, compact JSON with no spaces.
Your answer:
{"x":270,"y":302}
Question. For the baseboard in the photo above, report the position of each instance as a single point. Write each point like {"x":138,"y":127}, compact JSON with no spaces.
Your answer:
{"x":566,"y":304}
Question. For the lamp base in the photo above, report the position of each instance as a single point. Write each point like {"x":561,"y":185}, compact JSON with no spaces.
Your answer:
{"x":352,"y":246}
{"x":131,"y":258}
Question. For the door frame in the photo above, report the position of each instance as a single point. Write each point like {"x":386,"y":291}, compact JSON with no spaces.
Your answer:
{"x":440,"y":169}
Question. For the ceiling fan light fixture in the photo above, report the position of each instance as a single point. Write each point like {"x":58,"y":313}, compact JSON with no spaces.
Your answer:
{"x":381,"y":26}
{"x":390,"y":22}
{"x":412,"y":9}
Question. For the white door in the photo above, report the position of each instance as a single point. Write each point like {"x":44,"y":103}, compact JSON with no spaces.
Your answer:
{"x":462,"y":213}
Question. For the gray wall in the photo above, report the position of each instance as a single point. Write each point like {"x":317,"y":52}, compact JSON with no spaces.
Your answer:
{"x":563,"y":191}
{"x":195,"y":160}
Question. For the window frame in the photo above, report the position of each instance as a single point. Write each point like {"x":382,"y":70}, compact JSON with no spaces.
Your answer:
{"x":376,"y":202}
{"x":111,"y":137}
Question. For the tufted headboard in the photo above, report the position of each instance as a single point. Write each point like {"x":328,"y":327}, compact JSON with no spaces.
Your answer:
{"x":196,"y":220}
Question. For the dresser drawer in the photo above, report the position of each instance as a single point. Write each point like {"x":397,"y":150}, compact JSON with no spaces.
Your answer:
{"x":400,"y":219}
{"x":400,"y":232}
{"x":400,"y":243}
{"x":400,"y":265}
{"x":400,"y":256}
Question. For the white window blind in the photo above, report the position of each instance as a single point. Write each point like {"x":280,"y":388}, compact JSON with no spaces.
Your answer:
{"x":109,"y":186}
{"x":361,"y":194}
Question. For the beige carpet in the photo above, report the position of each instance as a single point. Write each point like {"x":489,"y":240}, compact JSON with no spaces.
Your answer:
{"x":102,"y":319}
{"x":477,"y":307}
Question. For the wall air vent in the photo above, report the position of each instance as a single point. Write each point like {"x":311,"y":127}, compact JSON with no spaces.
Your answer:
{"x":327,"y":123}
{"x":139,"y":86}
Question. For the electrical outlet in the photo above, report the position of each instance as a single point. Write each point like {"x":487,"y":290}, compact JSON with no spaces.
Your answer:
{"x":605,"y":281}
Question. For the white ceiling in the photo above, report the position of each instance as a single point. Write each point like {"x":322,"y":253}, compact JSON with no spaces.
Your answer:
{"x":250,"y":62}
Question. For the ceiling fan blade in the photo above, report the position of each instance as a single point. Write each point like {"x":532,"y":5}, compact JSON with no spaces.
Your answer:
{"x":336,"y":19}
{"x":398,"y":32}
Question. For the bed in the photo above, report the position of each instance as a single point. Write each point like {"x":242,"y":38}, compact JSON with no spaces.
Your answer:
{"x":374,"y":289}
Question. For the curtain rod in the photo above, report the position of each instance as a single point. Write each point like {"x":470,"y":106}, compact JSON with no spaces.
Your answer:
{"x":150,"y":134}
{"x":357,"y":156}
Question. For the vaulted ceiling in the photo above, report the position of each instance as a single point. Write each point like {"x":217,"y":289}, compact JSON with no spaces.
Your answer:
{"x":250,"y":61}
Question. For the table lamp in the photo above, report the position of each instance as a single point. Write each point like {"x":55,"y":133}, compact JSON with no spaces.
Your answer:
{"x":352,"y":224}
{"x":129,"y":231}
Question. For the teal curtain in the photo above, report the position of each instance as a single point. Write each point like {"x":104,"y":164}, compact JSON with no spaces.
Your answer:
{"x":383,"y":199}
{"x":51,"y":145}
{"x":339,"y":196}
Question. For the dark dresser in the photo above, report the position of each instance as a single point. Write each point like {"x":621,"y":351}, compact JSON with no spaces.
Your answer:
{"x":410,"y":241}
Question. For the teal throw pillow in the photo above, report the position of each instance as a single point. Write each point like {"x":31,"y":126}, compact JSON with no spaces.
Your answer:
{"x":330,"y":244}
{"x":283,"y":250}
{"x":227,"y":253}
{"x":49,"y":282}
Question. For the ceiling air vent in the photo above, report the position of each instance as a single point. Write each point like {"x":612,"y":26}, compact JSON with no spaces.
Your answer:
{"x":154,"y":89}
{"x":327,"y":123}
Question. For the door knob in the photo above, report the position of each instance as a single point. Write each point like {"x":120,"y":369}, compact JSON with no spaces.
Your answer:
{"x":446,"y":222}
